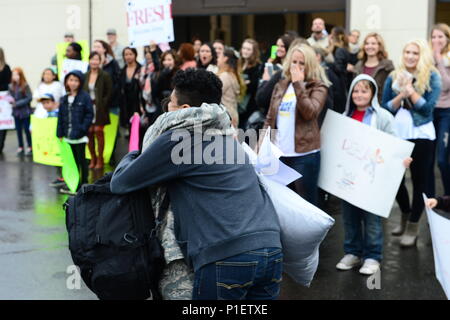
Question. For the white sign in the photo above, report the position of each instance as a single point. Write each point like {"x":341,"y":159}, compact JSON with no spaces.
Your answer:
{"x":71,"y":65}
{"x":439,"y":227}
{"x":360,"y":164}
{"x":149,"y":20}
{"x":6,"y":118}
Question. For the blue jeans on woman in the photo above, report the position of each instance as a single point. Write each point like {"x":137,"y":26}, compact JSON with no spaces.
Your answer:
{"x":253,"y":275}
{"x":309,"y":167}
{"x":442,"y":125}
{"x":363,"y":233}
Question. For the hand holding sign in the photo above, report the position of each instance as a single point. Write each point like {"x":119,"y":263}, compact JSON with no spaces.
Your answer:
{"x":149,"y":19}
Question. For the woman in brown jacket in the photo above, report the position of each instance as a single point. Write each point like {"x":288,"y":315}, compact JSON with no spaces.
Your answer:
{"x":99,"y":86}
{"x":373,"y":61}
{"x":297,"y":100}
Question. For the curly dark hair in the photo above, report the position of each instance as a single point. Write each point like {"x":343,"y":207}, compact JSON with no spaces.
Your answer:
{"x":197,"y":86}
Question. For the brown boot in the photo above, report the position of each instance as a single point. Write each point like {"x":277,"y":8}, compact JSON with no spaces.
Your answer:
{"x":91,"y":146}
{"x":101,"y":146}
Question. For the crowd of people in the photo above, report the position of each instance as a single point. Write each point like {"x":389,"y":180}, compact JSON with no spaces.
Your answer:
{"x":290,"y":92}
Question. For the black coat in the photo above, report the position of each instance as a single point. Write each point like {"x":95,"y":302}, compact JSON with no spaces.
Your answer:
{"x":74,"y":121}
{"x":5,"y":78}
{"x":113,"y":69}
{"x":253,"y":75}
{"x":130,"y":95}
{"x":342,"y":58}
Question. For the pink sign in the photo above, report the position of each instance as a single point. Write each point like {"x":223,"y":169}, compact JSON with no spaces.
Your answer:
{"x":134,"y":135}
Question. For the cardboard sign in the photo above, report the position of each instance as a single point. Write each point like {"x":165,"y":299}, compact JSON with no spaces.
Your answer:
{"x":149,"y":20}
{"x":46,"y":146}
{"x":70,"y":170}
{"x":6,"y":118}
{"x":360,"y":164}
{"x":439,"y":228}
{"x":61,"y":55}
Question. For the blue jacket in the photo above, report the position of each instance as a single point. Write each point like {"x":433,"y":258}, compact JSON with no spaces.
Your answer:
{"x":74,"y":121}
{"x":422,"y":112}
{"x":220,"y":210}
{"x":23,"y":98}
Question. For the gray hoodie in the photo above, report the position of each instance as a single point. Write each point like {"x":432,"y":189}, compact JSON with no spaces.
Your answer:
{"x":380,"y":119}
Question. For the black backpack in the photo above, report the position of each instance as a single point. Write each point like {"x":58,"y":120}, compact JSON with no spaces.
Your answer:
{"x":112,"y":239}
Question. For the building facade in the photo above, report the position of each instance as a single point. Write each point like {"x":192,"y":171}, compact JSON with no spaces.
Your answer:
{"x":31,"y":28}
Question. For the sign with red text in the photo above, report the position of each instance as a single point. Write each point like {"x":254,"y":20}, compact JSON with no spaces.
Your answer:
{"x":360,"y":164}
{"x":149,"y":20}
{"x":6,"y":118}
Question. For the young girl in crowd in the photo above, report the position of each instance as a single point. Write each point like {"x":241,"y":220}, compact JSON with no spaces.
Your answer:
{"x":229,"y":75}
{"x":219,"y":47}
{"x":186,"y":52}
{"x":109,"y":65}
{"x":49,"y":84}
{"x":251,"y":70}
{"x":170,"y":62}
{"x":440,"y":43}
{"x":373,"y":61}
{"x":363,"y":230}
{"x":411,"y":93}
{"x":130,"y":87}
{"x":339,"y":48}
{"x":20,"y":91}
{"x":298,"y":99}
{"x":99,"y":86}
{"x":74,"y":120}
{"x":207,"y":58}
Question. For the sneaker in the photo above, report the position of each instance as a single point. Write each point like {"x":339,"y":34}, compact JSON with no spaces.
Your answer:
{"x":370,"y":267}
{"x":66,"y":190}
{"x":58,"y":183}
{"x":29,"y":152}
{"x":19,"y":151}
{"x":348,"y":262}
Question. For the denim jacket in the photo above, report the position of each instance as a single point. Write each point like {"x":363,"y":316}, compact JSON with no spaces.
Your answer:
{"x":422,"y":112}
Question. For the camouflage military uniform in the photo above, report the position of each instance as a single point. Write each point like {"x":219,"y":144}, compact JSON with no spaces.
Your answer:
{"x":178,"y":278}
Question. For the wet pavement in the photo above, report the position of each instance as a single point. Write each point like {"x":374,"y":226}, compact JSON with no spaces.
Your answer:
{"x":34,"y":257}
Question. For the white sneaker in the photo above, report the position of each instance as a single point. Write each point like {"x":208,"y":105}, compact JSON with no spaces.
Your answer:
{"x":348,"y":262}
{"x":370,"y":267}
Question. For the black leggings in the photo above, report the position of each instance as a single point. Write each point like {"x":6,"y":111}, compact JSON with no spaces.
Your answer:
{"x":422,"y":157}
{"x":79,"y":153}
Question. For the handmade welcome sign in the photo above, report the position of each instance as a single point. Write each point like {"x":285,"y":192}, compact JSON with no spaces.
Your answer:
{"x":361,"y":164}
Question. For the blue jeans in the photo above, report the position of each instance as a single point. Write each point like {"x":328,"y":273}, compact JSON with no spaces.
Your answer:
{"x":442,"y":125}
{"x":253,"y":275}
{"x":23,"y":125}
{"x":309,"y":167}
{"x":363,"y":233}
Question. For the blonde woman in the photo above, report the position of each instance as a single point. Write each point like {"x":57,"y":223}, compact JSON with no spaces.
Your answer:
{"x":440,"y":43}
{"x":411,"y":93}
{"x":297,"y":101}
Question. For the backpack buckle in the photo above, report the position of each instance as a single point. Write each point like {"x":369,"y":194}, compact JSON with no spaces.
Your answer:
{"x":130,"y":238}
{"x":87,"y":188}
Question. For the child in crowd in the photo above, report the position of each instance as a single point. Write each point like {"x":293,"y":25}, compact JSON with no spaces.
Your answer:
{"x":50,"y":106}
{"x":48,"y":85}
{"x":21,"y":92}
{"x":74,"y":120}
{"x":364,"y":242}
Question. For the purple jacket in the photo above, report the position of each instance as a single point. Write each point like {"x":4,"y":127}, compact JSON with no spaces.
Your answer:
{"x":22,"y":109}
